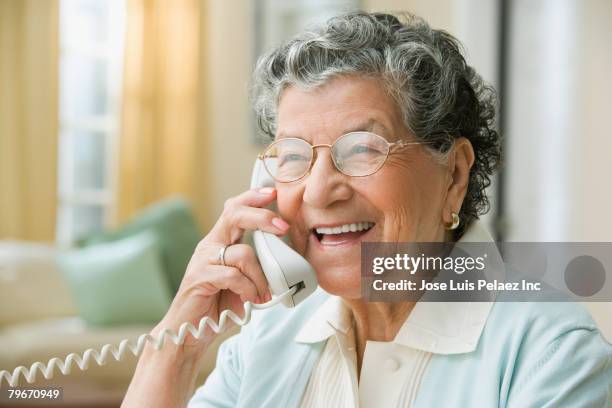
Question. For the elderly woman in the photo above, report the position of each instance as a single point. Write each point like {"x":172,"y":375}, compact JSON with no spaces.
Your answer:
{"x":398,"y":99}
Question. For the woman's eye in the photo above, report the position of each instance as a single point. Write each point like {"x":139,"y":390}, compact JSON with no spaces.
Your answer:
{"x":291,"y":158}
{"x":363,"y":149}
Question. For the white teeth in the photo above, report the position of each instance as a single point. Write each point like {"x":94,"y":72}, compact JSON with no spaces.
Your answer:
{"x":354,"y":227}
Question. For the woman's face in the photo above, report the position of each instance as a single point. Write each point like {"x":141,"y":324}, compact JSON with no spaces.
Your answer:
{"x":404,"y":200}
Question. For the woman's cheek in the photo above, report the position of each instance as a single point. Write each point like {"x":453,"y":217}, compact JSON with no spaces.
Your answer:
{"x":299,"y":241}
{"x":340,"y":280}
{"x":399,"y":223}
{"x":288,"y":208}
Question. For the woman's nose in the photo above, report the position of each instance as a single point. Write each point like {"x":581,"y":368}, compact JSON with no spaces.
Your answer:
{"x":325,"y":185}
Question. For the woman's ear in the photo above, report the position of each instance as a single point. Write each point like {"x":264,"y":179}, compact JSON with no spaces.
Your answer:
{"x":460,"y":161}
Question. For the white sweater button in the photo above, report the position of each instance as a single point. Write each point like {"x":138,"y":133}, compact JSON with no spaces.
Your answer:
{"x":391,"y":364}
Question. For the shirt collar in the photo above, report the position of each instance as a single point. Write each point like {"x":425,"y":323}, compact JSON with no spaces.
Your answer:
{"x":435,"y":327}
{"x":331,"y":317}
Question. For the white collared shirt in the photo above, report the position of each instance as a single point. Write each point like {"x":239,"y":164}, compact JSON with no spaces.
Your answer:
{"x":391,"y":372}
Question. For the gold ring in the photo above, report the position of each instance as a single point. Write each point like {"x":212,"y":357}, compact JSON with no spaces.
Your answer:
{"x":222,"y":255}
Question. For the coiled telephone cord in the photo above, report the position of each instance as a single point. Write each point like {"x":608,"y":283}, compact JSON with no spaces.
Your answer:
{"x":102,"y":356}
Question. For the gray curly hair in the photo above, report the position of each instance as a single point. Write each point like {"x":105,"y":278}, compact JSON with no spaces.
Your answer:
{"x":440,"y":96}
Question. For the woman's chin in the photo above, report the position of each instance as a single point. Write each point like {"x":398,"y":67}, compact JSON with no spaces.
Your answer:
{"x":340,"y":283}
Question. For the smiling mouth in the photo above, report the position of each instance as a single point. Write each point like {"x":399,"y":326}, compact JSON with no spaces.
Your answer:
{"x":342,"y":233}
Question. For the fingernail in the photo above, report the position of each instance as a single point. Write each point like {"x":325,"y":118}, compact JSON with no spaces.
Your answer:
{"x":268,"y":296}
{"x":266,"y":190}
{"x":279,"y":223}
{"x":257,"y":300}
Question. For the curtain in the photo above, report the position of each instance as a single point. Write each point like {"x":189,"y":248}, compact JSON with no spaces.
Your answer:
{"x":28,"y":118}
{"x":162,"y":148}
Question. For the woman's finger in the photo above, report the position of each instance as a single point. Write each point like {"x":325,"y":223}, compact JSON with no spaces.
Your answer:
{"x":237,"y":218}
{"x":257,"y":218}
{"x":256,"y":197}
{"x":242,"y":256}
{"x":220,"y":277}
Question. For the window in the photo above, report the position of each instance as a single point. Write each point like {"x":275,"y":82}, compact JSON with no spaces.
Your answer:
{"x":91,"y":53}
{"x":279,"y":20}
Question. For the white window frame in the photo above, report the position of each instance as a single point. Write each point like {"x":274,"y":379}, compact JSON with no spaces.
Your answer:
{"x":110,"y":51}
{"x":270,"y":29}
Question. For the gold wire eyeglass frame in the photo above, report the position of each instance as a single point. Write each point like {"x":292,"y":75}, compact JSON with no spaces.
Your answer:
{"x":390,"y":145}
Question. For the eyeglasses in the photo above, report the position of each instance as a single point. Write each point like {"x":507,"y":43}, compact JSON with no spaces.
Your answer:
{"x":355,"y":154}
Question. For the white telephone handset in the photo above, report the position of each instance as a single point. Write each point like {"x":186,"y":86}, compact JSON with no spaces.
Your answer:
{"x":291,"y":280}
{"x":284,"y":268}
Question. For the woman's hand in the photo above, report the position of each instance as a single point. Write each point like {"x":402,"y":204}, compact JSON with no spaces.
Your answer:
{"x":209,"y":287}
{"x":167,"y":377}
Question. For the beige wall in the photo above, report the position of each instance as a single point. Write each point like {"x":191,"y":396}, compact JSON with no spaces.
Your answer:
{"x":439,"y":13}
{"x":232,"y":152}
{"x":592,"y":196}
{"x":592,"y":107}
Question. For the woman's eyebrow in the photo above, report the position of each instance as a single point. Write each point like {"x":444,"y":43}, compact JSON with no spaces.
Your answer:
{"x":281,"y":134}
{"x":367,"y":125}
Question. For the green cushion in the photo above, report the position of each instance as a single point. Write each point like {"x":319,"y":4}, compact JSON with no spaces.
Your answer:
{"x":120,"y":282}
{"x":175,"y":225}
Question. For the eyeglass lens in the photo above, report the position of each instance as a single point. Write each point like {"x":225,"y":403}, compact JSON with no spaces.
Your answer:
{"x":354,"y":154}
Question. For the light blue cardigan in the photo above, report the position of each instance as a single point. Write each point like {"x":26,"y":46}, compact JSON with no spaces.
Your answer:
{"x":529,"y":355}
